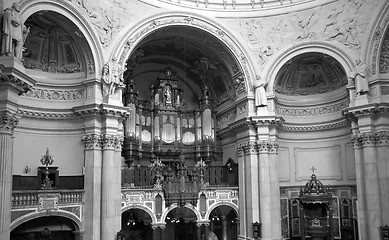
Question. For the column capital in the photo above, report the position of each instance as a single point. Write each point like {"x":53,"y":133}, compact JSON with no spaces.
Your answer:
{"x":112,"y":141}
{"x":92,"y":141}
{"x":246,"y":148}
{"x":8,"y":122}
{"x":263,"y":146}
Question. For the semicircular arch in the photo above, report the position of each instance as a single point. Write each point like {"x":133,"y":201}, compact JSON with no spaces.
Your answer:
{"x":29,"y":7}
{"x":175,"y":205}
{"x":344,"y":58}
{"x":214,"y":206}
{"x":31,"y":216}
{"x":134,"y":34}
{"x":146,"y":209}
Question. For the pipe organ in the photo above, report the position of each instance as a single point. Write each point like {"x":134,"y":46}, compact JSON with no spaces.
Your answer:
{"x":163,"y":127}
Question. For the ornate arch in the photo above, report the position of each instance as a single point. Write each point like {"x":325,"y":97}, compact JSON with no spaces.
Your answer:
{"x":377,"y":33}
{"x":29,"y":7}
{"x":344,"y":57}
{"x":233,"y":206}
{"x":146,"y":209}
{"x":175,"y":205}
{"x":135,"y":33}
{"x":59,"y":213}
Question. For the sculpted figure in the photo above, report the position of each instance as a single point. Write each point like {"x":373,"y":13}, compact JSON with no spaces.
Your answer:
{"x":260,"y":93}
{"x":113,"y":76}
{"x":14,"y":32}
{"x":359,"y":77}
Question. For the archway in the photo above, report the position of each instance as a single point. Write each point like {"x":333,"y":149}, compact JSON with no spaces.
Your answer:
{"x":136,"y":225}
{"x":223,"y":223}
{"x":181,"y":224}
{"x":48,"y":228}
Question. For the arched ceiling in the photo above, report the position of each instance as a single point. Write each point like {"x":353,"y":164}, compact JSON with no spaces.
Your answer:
{"x":198,"y":58}
{"x":54,"y":44}
{"x":315,"y":75}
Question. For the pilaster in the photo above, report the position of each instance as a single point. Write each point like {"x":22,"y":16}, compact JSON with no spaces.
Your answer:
{"x":7,"y":124}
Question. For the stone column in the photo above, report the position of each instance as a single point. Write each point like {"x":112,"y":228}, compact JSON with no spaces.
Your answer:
{"x":110,"y":187}
{"x":275,"y":190}
{"x":382,"y":146}
{"x":7,"y":124}
{"x":242,"y":190}
{"x":360,"y":186}
{"x":248,"y":188}
{"x":224,"y":222}
{"x":264,"y":190}
{"x":372,"y":193}
{"x":92,"y":185}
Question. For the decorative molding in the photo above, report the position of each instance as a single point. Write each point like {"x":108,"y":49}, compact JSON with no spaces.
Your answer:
{"x":316,"y":111}
{"x":8,"y":123}
{"x":48,"y":202}
{"x":56,"y":95}
{"x":226,"y":117}
{"x":16,"y":83}
{"x":313,"y":128}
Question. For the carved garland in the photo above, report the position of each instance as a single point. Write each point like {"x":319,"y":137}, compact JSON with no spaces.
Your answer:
{"x":61,"y":95}
{"x":317,"y":111}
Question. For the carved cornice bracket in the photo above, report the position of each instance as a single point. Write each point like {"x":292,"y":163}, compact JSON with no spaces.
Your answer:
{"x":12,"y":73}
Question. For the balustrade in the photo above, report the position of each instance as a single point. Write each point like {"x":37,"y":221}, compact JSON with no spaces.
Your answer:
{"x":31,"y":197}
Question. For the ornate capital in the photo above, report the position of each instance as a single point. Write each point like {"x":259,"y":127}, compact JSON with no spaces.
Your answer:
{"x":273,"y":147}
{"x":112,"y":141}
{"x":92,"y":141}
{"x":370,"y":139}
{"x":263,"y":146}
{"x":8,"y":122}
{"x":246,"y":148}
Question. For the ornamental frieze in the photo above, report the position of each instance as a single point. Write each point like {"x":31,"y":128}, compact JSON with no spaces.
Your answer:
{"x":317,"y":111}
{"x":58,"y":95}
{"x":226,"y":117}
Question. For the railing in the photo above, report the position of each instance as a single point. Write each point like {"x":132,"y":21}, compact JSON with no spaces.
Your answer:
{"x":31,"y":197}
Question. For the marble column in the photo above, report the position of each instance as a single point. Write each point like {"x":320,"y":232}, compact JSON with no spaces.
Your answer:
{"x":92,"y":185}
{"x":372,"y":193}
{"x":275,"y":191}
{"x":264,"y":190}
{"x":242,"y":192}
{"x":110,"y":187}
{"x":358,"y":153}
{"x":382,"y":146}
{"x":224,"y":230}
{"x":7,"y":124}
{"x":248,"y":188}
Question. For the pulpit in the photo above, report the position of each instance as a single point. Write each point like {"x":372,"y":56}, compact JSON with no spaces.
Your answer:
{"x":316,"y":212}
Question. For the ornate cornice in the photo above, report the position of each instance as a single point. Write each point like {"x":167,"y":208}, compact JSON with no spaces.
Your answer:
{"x":8,"y":122}
{"x":317,"y":127}
{"x":16,"y":83}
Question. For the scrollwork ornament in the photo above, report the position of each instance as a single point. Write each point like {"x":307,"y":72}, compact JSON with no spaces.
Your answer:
{"x":8,"y":123}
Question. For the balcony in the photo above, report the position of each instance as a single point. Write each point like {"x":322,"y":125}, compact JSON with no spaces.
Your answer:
{"x":28,"y":204}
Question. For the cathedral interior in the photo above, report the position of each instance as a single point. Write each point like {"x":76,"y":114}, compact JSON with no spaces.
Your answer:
{"x":194,"y":120}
